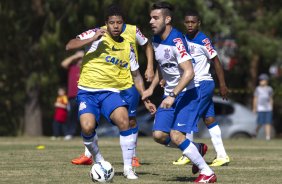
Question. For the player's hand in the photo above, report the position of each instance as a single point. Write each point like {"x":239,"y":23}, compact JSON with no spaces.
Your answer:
{"x":99,"y":33}
{"x":167,"y":102}
{"x":223,"y":90}
{"x":147,"y":93}
{"x":162,"y":83}
{"x":79,"y":54}
{"x":149,"y":74}
{"x":150,"y":106}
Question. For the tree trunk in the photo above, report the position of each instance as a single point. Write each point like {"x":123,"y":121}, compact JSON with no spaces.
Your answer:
{"x":33,"y":118}
{"x":251,"y":84}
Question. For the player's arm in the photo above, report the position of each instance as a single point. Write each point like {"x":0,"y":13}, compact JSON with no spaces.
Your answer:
{"x":148,"y":92}
{"x":139,"y":84}
{"x":149,"y":73}
{"x":220,"y":75}
{"x":69,"y":60}
{"x":148,"y":48}
{"x":187,"y":76}
{"x":86,"y":39}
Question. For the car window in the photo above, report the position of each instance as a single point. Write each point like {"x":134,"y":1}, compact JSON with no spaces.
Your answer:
{"x":223,"y":109}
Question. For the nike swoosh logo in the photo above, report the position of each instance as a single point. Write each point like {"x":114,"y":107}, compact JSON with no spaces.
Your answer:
{"x":178,"y":124}
{"x":206,"y":180}
{"x":115,"y":49}
{"x":99,"y":177}
{"x":132,"y":111}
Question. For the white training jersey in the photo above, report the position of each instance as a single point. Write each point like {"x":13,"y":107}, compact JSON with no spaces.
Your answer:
{"x":169,"y":53}
{"x":92,"y":47}
{"x":201,"y":50}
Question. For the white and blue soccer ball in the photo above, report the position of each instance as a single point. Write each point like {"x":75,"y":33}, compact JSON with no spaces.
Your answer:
{"x":102,"y":172}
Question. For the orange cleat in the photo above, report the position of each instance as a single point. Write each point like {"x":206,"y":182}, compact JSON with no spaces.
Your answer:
{"x":82,"y":160}
{"x":135,"y":162}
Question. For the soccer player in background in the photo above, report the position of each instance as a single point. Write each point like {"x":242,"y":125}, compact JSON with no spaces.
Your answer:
{"x":202,"y":51}
{"x":109,"y":64}
{"x":176,"y":115}
{"x":132,"y":34}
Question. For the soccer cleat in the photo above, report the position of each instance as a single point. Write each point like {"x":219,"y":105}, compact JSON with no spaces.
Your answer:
{"x":206,"y":179}
{"x":183,"y":160}
{"x":220,"y":162}
{"x":130,"y":174}
{"x":82,"y":160}
{"x":135,"y":162}
{"x":203,"y":150}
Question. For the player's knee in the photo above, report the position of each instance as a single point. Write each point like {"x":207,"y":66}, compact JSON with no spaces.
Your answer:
{"x":123,"y":124}
{"x":87,"y":127}
{"x":209,"y":120}
{"x":132,"y":122}
{"x":177,"y":137}
{"x":160,"y":137}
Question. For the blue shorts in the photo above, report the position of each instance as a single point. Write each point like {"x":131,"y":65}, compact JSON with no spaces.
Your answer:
{"x":182,"y":116}
{"x":264,"y":118}
{"x":205,"y":92}
{"x":131,"y":97}
{"x":97,"y":103}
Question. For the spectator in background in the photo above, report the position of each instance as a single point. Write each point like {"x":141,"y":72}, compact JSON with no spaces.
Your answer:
{"x":60,"y":115}
{"x":72,"y":64}
{"x":263,"y":105}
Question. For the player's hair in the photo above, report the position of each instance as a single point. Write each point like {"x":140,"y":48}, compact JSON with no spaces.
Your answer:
{"x":192,"y":12}
{"x":165,"y":6}
{"x":113,"y":10}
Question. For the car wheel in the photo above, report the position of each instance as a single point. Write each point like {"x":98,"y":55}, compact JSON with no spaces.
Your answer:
{"x":241,"y":135}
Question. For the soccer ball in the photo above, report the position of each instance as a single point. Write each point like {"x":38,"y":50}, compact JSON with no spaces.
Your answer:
{"x":102,"y":172}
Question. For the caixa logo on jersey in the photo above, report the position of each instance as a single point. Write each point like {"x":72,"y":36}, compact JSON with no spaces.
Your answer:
{"x":116,"y":61}
{"x":180,"y":46}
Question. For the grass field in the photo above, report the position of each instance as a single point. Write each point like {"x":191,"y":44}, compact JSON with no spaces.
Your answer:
{"x":252,"y":161}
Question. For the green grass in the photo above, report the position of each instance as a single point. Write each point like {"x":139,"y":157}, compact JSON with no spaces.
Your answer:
{"x":252,"y":161}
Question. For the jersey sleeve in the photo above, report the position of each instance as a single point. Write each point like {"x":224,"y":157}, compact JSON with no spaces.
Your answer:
{"x":180,"y":51}
{"x":133,"y":62}
{"x":87,"y":34}
{"x":208,"y":48}
{"x":141,"y":39}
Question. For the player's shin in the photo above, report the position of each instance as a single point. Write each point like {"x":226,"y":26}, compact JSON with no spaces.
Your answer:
{"x":127,"y":144}
{"x":91,"y":144}
{"x":216,"y":139}
{"x":191,"y":151}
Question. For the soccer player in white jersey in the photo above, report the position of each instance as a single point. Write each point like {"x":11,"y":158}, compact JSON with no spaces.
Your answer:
{"x":202,"y":51}
{"x":176,"y":115}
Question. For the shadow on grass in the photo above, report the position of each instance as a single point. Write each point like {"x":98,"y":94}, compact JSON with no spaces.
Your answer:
{"x":182,"y":179}
{"x":139,"y":173}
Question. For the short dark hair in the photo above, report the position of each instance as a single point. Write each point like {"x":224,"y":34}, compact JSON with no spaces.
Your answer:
{"x":165,"y":6}
{"x":113,"y":10}
{"x":192,"y":12}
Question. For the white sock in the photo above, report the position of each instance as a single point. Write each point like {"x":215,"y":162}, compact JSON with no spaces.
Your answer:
{"x":190,"y":136}
{"x":216,"y":139}
{"x":127,"y":144}
{"x":135,"y":136}
{"x":193,"y":154}
{"x":91,"y":147}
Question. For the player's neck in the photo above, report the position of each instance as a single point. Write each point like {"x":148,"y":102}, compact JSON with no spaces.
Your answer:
{"x":166,"y":32}
{"x":192,"y":35}
{"x":117,"y":38}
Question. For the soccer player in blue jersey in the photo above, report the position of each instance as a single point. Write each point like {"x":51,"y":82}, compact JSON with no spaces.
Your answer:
{"x":203,"y":53}
{"x":176,"y":114}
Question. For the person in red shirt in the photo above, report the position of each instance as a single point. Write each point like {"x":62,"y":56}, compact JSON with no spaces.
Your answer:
{"x":72,"y":64}
{"x":60,"y":115}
